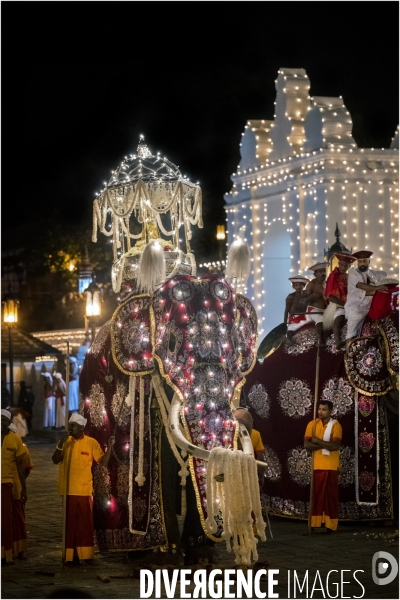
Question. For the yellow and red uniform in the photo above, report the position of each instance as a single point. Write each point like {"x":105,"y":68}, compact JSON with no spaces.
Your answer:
{"x":325,"y":500}
{"x":19,"y":535}
{"x":257,"y":442}
{"x":76,"y":483}
{"x":11,"y":449}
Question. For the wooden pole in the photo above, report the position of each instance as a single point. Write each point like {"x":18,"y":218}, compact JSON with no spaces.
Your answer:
{"x":65,"y":496}
{"x":66,"y":389}
{"x":66,"y":419}
{"x":312,"y":455}
{"x":11,"y":360}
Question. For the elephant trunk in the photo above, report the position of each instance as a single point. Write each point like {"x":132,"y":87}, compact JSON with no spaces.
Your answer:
{"x":183,"y":444}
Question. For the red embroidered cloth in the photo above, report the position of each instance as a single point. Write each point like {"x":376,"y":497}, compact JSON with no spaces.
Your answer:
{"x":336,"y":285}
{"x":384,"y":303}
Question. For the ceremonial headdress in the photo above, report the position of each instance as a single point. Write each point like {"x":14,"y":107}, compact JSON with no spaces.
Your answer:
{"x":77,"y":418}
{"x":58,"y":375}
{"x":12,"y":427}
{"x":299,"y":279}
{"x":362,"y":254}
{"x":148,"y":191}
{"x":348,"y":258}
{"x":317,"y":266}
{"x":6,"y":413}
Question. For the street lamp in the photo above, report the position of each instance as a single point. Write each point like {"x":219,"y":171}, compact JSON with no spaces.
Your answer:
{"x":10,"y":318}
{"x":220,"y":236}
{"x":93,"y":306}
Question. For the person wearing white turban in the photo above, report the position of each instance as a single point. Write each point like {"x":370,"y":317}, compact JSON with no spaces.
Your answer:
{"x":49,"y":401}
{"x":60,"y":388}
{"x":12,"y":451}
{"x":75,"y":453}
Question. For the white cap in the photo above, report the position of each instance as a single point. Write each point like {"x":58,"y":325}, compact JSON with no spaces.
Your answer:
{"x":299,"y":279}
{"x":12,"y":427}
{"x":317,"y":266}
{"x":77,"y":418}
{"x":58,"y":375}
{"x":6,"y":413}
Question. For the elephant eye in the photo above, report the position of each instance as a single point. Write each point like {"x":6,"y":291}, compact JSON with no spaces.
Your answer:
{"x":172,"y":341}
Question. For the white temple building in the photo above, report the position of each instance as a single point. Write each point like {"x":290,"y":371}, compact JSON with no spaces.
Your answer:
{"x":299,"y":175}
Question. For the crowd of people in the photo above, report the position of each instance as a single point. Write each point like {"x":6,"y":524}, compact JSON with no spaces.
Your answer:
{"x":328,"y":302}
{"x":344,"y":297}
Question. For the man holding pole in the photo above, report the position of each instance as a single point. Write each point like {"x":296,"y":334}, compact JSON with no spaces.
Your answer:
{"x":323,"y":436}
{"x":75,"y":454}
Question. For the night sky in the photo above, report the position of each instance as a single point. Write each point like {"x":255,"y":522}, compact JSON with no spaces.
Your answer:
{"x":82,"y":80}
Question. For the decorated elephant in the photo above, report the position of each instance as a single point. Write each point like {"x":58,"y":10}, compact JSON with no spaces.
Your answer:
{"x":162,"y":375}
{"x":362,"y":382}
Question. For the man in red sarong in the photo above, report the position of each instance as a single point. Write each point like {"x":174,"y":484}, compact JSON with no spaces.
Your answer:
{"x":336,"y":294}
{"x":19,"y":533}
{"x":323,"y":437}
{"x":75,"y":454}
{"x":12,"y":450}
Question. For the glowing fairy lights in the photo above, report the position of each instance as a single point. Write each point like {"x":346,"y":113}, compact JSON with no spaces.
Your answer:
{"x":306,"y":181}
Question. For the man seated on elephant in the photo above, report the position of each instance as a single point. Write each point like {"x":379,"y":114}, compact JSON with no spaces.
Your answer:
{"x":295,"y":307}
{"x":362,"y":284}
{"x":336,"y":294}
{"x":315,"y":292}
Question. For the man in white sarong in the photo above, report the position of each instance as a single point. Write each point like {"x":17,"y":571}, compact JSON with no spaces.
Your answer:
{"x":362,"y":283}
{"x":316,"y":303}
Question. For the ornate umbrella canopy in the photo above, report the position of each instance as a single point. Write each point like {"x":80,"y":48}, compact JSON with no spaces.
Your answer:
{"x":148,"y":190}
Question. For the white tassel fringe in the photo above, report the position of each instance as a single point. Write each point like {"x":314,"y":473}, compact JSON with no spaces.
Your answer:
{"x":151,"y":267}
{"x":238,"y":261}
{"x":329,"y":316}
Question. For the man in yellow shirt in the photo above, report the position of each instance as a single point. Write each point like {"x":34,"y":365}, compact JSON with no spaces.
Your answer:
{"x":75,"y":454}
{"x":243,"y":416}
{"x":19,"y":533}
{"x":12,"y":451}
{"x":323,"y":437}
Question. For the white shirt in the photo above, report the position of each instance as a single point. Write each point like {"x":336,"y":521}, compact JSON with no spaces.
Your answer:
{"x":356,"y":298}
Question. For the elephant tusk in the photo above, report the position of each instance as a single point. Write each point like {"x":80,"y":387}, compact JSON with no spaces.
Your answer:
{"x":183,"y":444}
{"x":179,"y":438}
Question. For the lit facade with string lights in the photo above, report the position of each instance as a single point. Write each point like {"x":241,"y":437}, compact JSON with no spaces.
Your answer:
{"x":299,"y":175}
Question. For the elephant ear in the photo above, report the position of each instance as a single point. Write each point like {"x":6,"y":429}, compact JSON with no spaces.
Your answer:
{"x":389,"y":329}
{"x":246,"y":333}
{"x":366,"y":366}
{"x":131,"y":336}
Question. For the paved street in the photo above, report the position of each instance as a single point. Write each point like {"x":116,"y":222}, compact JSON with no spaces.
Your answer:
{"x":115,"y":576}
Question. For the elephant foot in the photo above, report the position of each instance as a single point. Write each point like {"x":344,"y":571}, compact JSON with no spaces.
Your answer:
{"x":172,"y":559}
{"x":201,"y":555}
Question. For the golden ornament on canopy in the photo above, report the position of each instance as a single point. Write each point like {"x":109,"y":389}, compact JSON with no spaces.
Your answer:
{"x":148,"y":193}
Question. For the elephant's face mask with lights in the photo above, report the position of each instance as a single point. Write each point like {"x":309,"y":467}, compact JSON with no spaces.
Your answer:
{"x":201,"y":338}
